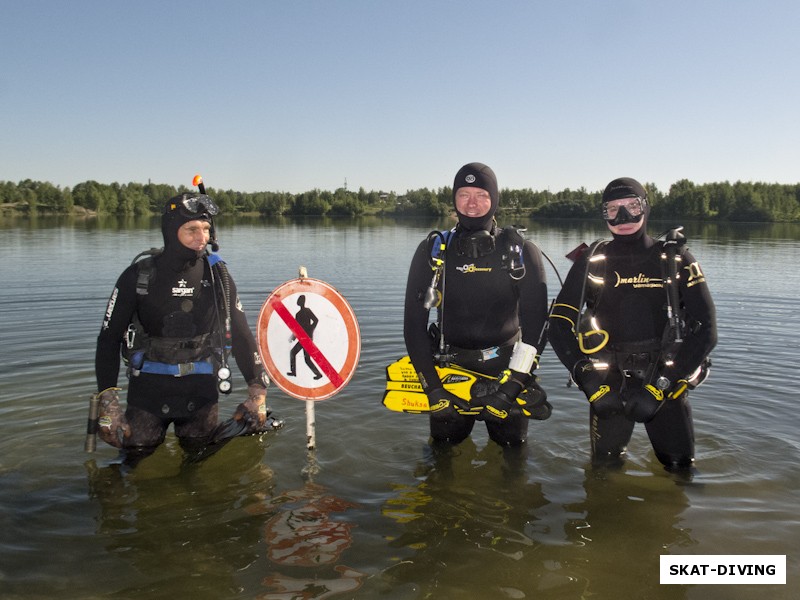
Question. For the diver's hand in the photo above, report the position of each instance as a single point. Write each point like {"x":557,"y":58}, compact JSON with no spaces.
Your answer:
{"x":642,"y":403}
{"x":533,"y":401}
{"x":496,"y":407}
{"x":254,"y":409}
{"x":592,"y":382}
{"x":111,"y":424}
{"x":443,"y":404}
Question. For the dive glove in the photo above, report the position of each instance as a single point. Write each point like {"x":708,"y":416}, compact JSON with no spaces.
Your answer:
{"x":497,"y":405}
{"x":112,"y":426}
{"x":444,"y":404}
{"x":254,"y":409}
{"x":642,"y":403}
{"x":515,"y":395}
{"x":604,"y":400}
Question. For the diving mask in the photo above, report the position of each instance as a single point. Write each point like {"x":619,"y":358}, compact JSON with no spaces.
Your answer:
{"x":195,"y":205}
{"x":624,"y":210}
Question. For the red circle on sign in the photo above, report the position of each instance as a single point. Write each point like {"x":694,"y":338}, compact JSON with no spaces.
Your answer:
{"x":336,"y":362}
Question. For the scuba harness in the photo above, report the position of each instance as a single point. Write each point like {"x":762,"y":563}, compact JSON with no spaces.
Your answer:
{"x":640,"y":360}
{"x":475,"y":245}
{"x":198,"y":355}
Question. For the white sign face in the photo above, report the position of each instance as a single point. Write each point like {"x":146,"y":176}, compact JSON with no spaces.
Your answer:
{"x":308,"y":338}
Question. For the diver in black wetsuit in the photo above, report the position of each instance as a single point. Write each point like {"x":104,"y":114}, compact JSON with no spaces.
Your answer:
{"x":174,"y":314}
{"x":645,"y":336}
{"x":491,"y":299}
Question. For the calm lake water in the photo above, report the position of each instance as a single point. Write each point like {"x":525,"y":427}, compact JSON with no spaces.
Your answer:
{"x":381,"y":518}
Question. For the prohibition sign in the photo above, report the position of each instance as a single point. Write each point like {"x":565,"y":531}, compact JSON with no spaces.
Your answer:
{"x":308,"y":339}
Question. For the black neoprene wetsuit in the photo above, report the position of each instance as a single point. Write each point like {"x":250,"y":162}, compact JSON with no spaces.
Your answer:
{"x":626,"y":295}
{"x":179,"y":303}
{"x":482,"y":308}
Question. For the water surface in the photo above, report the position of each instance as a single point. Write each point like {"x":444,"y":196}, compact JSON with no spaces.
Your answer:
{"x":382,"y":518}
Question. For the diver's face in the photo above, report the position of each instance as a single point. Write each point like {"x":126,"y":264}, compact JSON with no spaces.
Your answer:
{"x":626,"y":228}
{"x":624,"y":216}
{"x":473,"y":201}
{"x":195,"y":235}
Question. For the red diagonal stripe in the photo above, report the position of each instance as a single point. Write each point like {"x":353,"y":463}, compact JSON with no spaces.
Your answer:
{"x":307,"y":343}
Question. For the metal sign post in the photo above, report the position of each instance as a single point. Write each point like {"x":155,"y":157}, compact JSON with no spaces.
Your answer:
{"x":309,"y":342}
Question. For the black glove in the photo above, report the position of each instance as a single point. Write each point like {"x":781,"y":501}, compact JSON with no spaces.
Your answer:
{"x":446,"y":404}
{"x":498,"y":405}
{"x":643,"y":402}
{"x":605,"y":401}
{"x":533,"y":402}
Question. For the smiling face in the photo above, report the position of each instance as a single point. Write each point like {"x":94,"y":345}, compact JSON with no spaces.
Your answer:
{"x":195,"y":234}
{"x":473,"y":201}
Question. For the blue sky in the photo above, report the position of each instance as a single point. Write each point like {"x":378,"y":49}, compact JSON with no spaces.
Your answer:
{"x":295,"y":95}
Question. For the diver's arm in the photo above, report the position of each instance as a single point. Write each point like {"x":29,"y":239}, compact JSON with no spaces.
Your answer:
{"x":533,"y":299}
{"x":700,"y":316}
{"x":415,"y":318}
{"x":561,"y":332}
{"x":119,"y":314}
{"x":244,"y":346}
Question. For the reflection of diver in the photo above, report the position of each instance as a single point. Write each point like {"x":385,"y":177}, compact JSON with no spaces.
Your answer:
{"x":621,"y":529}
{"x":468,"y":516}
{"x":191,"y":528}
{"x":308,"y":321}
{"x":303,"y":534}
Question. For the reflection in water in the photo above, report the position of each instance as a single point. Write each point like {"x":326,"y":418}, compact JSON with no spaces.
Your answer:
{"x":470,"y":503}
{"x":226,"y":513}
{"x":174,"y":524}
{"x":625,"y":523}
{"x":304,"y":534}
{"x":477,"y":528}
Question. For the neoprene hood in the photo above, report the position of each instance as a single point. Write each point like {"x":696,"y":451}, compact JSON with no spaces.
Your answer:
{"x":477,"y":175}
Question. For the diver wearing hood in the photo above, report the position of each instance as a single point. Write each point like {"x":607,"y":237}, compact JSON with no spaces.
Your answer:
{"x":175,"y":316}
{"x":634,"y":324}
{"x":490,"y":295}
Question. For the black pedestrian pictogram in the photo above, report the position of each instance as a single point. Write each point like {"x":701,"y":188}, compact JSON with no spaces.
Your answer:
{"x":308,"y":321}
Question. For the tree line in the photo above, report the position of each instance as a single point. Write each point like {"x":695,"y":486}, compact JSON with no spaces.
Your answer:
{"x":724,"y":201}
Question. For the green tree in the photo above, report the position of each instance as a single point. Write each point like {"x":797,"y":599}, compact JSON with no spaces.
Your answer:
{"x":721,"y":201}
{"x":311,"y":203}
{"x":9,"y":193}
{"x":95,"y":196}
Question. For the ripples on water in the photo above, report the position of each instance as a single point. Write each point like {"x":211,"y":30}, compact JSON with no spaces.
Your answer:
{"x":384,"y":517}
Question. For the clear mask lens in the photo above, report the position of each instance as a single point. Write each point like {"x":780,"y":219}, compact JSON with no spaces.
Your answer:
{"x":633,"y":206}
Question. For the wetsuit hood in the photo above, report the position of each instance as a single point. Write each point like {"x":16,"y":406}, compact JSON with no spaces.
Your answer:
{"x":481,"y":176}
{"x":174,"y":217}
{"x":627,"y":187}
